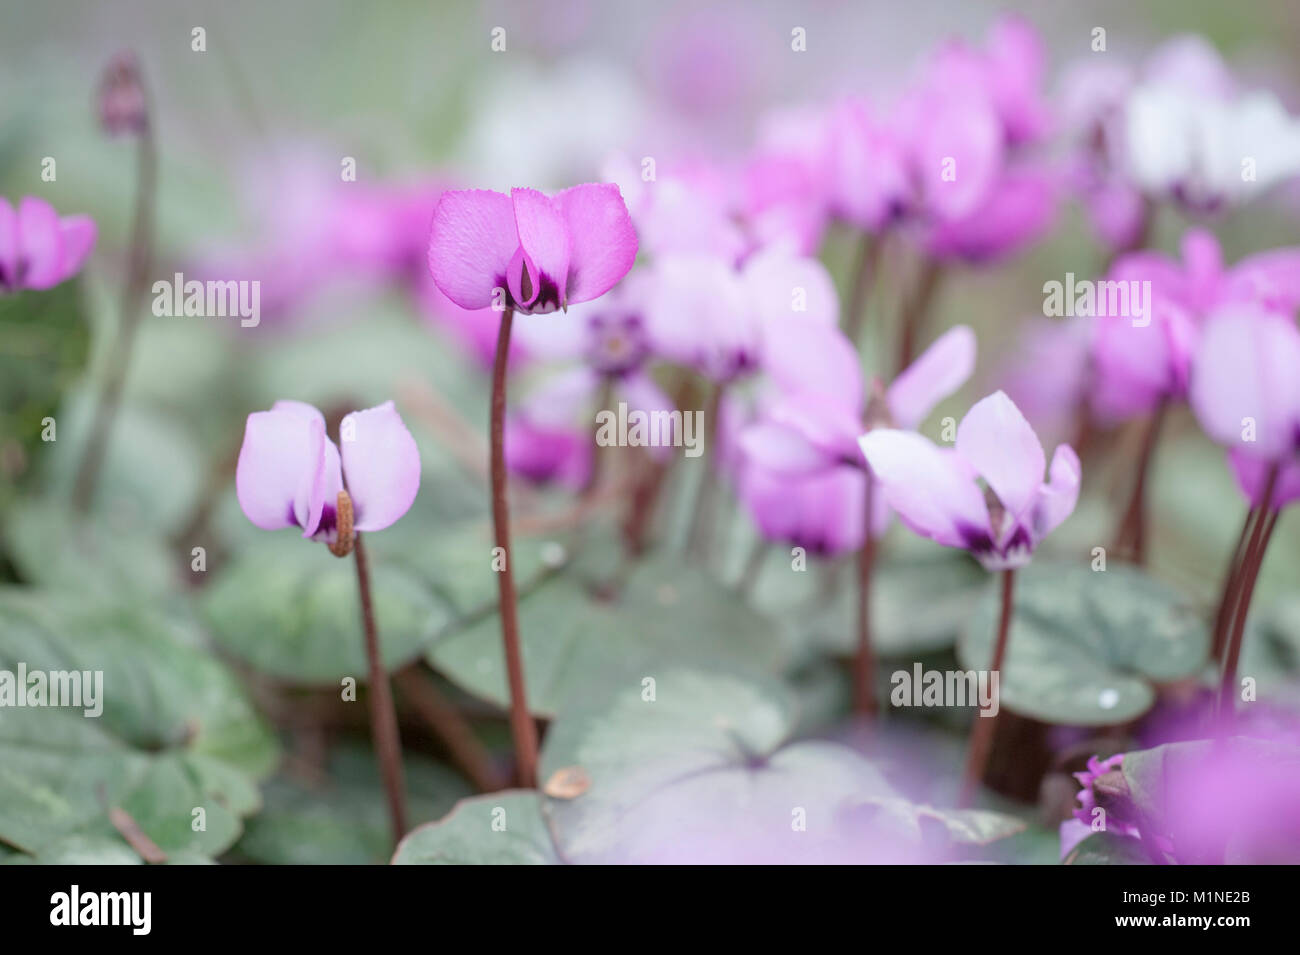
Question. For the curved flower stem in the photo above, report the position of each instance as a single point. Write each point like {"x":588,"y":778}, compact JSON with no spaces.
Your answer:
{"x":383,"y":715}
{"x":1133,"y":526}
{"x":915,"y":310}
{"x":451,"y":728}
{"x":864,"y":663}
{"x":983,"y":730}
{"x":130,"y":312}
{"x":522,"y":727}
{"x":1228,"y":595}
{"x":864,"y":273}
{"x":700,"y":540}
{"x":1265,"y":521}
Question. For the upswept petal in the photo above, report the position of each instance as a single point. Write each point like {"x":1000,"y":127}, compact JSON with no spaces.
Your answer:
{"x":602,"y":239}
{"x":1057,"y":498}
{"x":928,"y":487}
{"x":381,"y":465}
{"x":999,"y":443}
{"x":471,"y":242}
{"x":544,"y":243}
{"x":937,"y":373}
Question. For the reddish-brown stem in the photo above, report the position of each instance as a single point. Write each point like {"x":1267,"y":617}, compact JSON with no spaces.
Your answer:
{"x":451,"y":728}
{"x":700,"y":539}
{"x":915,"y":311}
{"x":864,"y":663}
{"x":864,"y":272}
{"x":130,"y":311}
{"x":1228,"y":596}
{"x":1251,"y":563}
{"x":522,"y":727}
{"x":985,"y":727}
{"x":1133,"y":526}
{"x":383,"y":715}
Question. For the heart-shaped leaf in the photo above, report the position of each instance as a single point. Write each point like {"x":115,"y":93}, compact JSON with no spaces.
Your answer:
{"x":1087,"y":648}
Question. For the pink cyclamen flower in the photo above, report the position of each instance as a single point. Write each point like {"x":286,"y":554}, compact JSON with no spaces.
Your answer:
{"x":1246,"y":394}
{"x":38,"y":249}
{"x":805,"y":439}
{"x":1075,"y":830}
{"x":935,"y":491}
{"x":528,"y":251}
{"x":290,"y":473}
{"x":1141,"y":361}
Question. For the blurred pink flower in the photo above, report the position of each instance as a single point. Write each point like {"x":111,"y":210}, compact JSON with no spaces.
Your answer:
{"x":935,"y":492}
{"x":1246,"y":394}
{"x":290,"y":473}
{"x":38,"y":249}
{"x":808,"y":431}
{"x":528,"y":251}
{"x":1139,"y":365}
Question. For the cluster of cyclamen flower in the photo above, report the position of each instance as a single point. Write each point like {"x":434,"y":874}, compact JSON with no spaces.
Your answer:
{"x":713,"y":270}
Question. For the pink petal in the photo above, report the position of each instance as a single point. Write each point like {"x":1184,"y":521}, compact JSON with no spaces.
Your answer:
{"x":1251,"y":472}
{"x":381,"y":465}
{"x":778,"y":282}
{"x":471,"y":242}
{"x":9,"y":239}
{"x":929,"y":488}
{"x":543,"y":454}
{"x":941,"y":370}
{"x":1057,"y":498}
{"x":999,"y":443}
{"x":285,"y":471}
{"x":562,"y":399}
{"x":604,"y":242}
{"x":41,"y":243}
{"x":543,"y":246}
{"x":802,"y":356}
{"x":79,"y":234}
{"x":1245,"y":368}
{"x":781,"y":450}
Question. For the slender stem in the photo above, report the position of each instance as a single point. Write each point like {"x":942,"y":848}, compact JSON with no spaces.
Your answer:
{"x":753,"y":565}
{"x":1251,"y":563}
{"x":1231,"y":583}
{"x":864,"y":273}
{"x":700,"y":540}
{"x":130,"y":311}
{"x":1133,"y":526}
{"x":864,"y":663}
{"x":522,"y":727}
{"x":467,"y":752}
{"x":383,"y":715}
{"x":915,"y":311}
{"x":984,"y":728}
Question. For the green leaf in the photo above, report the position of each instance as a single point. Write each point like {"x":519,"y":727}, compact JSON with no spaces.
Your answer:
{"x":504,"y":828}
{"x":290,"y":608}
{"x":153,"y":470}
{"x":918,"y":605}
{"x":573,"y":640}
{"x":175,"y":733}
{"x":342,"y":819}
{"x":1107,"y":848}
{"x":704,"y":773}
{"x":99,"y":555}
{"x":45,"y":347}
{"x":1086,"y":648}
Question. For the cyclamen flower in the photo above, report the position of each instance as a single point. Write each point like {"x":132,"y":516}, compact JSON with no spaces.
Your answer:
{"x":1139,"y":365}
{"x":290,"y":474}
{"x":548,"y":437}
{"x":935,"y":492}
{"x":38,"y":249}
{"x":800,"y":472}
{"x":1246,"y":394}
{"x":1188,"y":129}
{"x":774,"y":313}
{"x":527,"y":251}
{"x":1100,"y":773}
